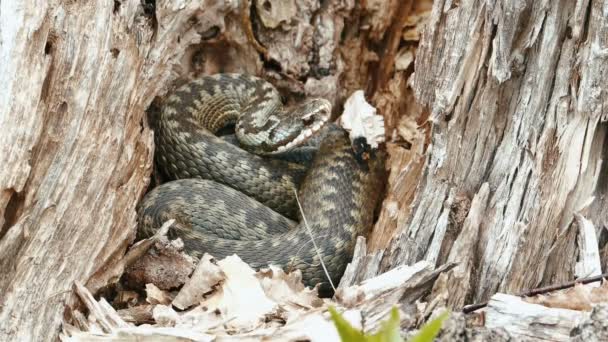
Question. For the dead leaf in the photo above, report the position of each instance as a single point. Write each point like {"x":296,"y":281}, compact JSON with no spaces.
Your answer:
{"x":164,"y":316}
{"x":154,"y":295}
{"x":206,"y":276}
{"x":240,"y":299}
{"x":360,"y":120}
{"x":288,"y":291}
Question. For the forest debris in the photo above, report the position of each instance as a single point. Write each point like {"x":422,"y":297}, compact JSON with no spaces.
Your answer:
{"x":165,"y":266}
{"x":526,"y":320}
{"x":405,"y":58}
{"x":141,"y":247}
{"x":164,"y":316}
{"x":458,"y":327}
{"x":206,"y":276}
{"x":580,"y":297}
{"x":154,"y":295}
{"x":361,"y":120}
{"x":363,"y":265}
{"x":104,"y":314}
{"x":201,"y":319}
{"x":370,"y":288}
{"x":287,"y":289}
{"x":111,"y":274}
{"x":138,"y":314}
{"x":275,"y":12}
{"x":269,"y":304}
{"x":594,"y":328}
{"x":543,"y":290}
{"x":125,"y":298}
{"x":313,"y":327}
{"x":589,"y":263}
{"x":241,"y":299}
{"x":135,"y":334}
{"x":414,"y":22}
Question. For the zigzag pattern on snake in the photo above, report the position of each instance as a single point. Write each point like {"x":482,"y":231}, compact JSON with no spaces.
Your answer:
{"x":227,"y":200}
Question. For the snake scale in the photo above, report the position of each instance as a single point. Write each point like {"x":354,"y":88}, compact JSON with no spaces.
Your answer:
{"x":229,"y":199}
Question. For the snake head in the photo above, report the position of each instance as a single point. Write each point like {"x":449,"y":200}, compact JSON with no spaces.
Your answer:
{"x":291,"y":127}
{"x":302,"y":122}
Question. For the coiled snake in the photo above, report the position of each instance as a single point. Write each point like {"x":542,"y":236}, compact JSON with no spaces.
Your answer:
{"x":227,"y":200}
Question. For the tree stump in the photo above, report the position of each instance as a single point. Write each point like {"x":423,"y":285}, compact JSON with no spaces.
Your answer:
{"x":495,"y":116}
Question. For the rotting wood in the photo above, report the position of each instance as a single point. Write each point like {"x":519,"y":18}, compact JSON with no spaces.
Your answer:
{"x":531,"y":321}
{"x":589,"y":257}
{"x":250,"y":310}
{"x":76,"y":152}
{"x":516,"y":100}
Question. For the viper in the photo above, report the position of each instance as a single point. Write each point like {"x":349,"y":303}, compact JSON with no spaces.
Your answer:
{"x":239,"y":197}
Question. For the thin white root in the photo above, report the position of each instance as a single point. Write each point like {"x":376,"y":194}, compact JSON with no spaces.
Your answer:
{"x":313,"y":242}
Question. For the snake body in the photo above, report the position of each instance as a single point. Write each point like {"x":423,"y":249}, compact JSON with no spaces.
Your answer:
{"x":227,"y":200}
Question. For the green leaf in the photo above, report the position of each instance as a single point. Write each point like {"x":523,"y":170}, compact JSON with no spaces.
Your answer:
{"x":346,"y":331}
{"x":390,"y":331}
{"x":430,"y":330}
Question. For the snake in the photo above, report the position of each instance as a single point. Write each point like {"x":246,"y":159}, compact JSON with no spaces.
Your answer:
{"x":247,"y":197}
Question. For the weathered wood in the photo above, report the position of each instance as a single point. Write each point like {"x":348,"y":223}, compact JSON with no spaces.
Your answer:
{"x":458,"y":282}
{"x":242,"y":304}
{"x":531,"y":321}
{"x":512,"y":146}
{"x":589,"y":259}
{"x":517,"y":101}
{"x":363,"y":265}
{"x":595,"y":328}
{"x":75,"y":150}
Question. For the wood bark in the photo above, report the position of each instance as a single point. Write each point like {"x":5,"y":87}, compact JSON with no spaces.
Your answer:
{"x":75,"y":150}
{"x":516,"y":134}
{"x":529,"y":321}
{"x":497,"y":133}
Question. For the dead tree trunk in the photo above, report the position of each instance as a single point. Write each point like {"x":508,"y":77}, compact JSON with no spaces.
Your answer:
{"x":75,"y":152}
{"x":509,"y":170}
{"x":491,"y":175}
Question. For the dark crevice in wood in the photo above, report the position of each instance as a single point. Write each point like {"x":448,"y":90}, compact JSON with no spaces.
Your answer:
{"x":523,"y":198}
{"x":211,"y":33}
{"x":149,"y":9}
{"x":46,"y":84}
{"x":272,"y":64}
{"x":602,"y":183}
{"x":601,"y":191}
{"x":48,"y":48}
{"x":248,"y":13}
{"x":585,"y":32}
{"x":549,"y":96}
{"x":116,"y":8}
{"x":13,"y":211}
{"x":390,"y":46}
{"x":569,"y":32}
